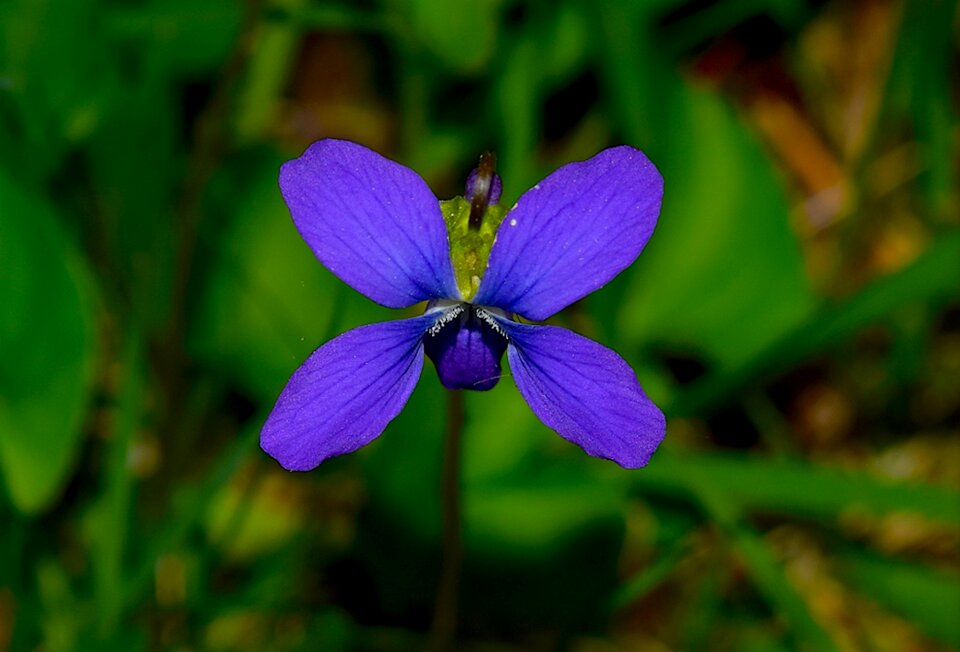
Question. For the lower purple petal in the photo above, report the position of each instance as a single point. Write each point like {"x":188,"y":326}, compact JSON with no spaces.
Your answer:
{"x":467,"y":352}
{"x":346,"y":393}
{"x":585,"y":392}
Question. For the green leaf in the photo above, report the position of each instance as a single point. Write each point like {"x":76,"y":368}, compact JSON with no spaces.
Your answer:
{"x":461,"y":33}
{"x":795,"y":487}
{"x":47,"y":349}
{"x":506,"y":469}
{"x":268,"y":302}
{"x":131,"y":191}
{"x":723,"y":254}
{"x":267,"y":74}
{"x":58,"y":76}
{"x":190,"y":36}
{"x":764,"y":569}
{"x":931,"y":277}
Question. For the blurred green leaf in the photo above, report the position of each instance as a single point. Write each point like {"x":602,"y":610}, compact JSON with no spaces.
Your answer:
{"x":462,"y":34}
{"x":277,"y":44}
{"x":109,"y":518}
{"x":760,"y":484}
{"x":192,"y":503}
{"x":506,"y":469}
{"x":516,"y":95}
{"x":64,"y":615}
{"x":723,"y":255}
{"x":535,"y":514}
{"x":928,"y":597}
{"x":133,"y":197}
{"x":47,"y":349}
{"x":59,"y":76}
{"x":932,"y":276}
{"x":764,"y":569}
{"x":922,"y":74}
{"x":635,"y":73}
{"x":191,"y":36}
{"x":268,"y":302}
{"x":563,"y":41}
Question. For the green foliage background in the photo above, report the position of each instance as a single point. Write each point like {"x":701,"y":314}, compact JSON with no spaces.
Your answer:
{"x":797,"y":314}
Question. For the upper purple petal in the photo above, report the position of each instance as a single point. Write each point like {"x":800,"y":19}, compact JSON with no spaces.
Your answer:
{"x":586,"y":392}
{"x":572,"y":232}
{"x":346,"y":393}
{"x":371,"y":221}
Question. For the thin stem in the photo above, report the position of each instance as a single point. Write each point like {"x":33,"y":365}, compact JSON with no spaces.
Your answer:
{"x":444,"y":628}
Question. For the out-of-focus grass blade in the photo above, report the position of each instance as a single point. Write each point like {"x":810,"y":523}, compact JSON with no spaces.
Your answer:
{"x":764,"y":568}
{"x":267,"y":74}
{"x":111,"y":515}
{"x":794,"y":487}
{"x":933,"y":275}
{"x":461,"y":34}
{"x":723,"y":252}
{"x":927,"y":597}
{"x":516,"y":94}
{"x":196,"y":501}
{"x":649,"y":578}
{"x":767,"y":573}
{"x":922,"y":77}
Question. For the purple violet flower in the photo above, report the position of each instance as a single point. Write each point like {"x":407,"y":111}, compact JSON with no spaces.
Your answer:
{"x":376,"y":225}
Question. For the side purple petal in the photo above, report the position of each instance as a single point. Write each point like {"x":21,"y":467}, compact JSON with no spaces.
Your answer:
{"x":572,"y":232}
{"x":346,"y":393}
{"x":585,"y":392}
{"x":371,"y":221}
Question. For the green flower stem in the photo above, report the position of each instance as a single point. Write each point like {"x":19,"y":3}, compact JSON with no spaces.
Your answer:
{"x":444,"y":629}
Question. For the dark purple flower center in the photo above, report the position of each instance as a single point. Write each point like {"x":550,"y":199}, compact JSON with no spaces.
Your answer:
{"x":466,"y":346}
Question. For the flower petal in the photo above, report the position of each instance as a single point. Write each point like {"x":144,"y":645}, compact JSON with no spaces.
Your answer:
{"x":371,"y":221}
{"x":586,"y":392}
{"x":346,"y":393}
{"x":467,"y":351}
{"x":573,"y":232}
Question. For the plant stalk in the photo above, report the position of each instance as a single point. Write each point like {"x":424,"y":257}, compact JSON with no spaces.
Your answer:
{"x":444,"y":628}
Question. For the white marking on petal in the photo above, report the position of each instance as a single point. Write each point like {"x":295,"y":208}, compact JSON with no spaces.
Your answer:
{"x":513,"y":222}
{"x":491,"y":321}
{"x":447,"y":315}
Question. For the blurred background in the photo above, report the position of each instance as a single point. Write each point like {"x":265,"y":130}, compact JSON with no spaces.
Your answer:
{"x":796,"y":314}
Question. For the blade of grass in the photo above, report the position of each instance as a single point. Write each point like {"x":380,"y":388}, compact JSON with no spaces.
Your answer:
{"x":267,"y":72}
{"x":789,"y":486}
{"x":764,"y":569}
{"x":111,"y":542}
{"x":933,"y":275}
{"x":650,"y":577}
{"x":180,"y":525}
{"x":927,"y":597}
{"x":516,"y":97}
